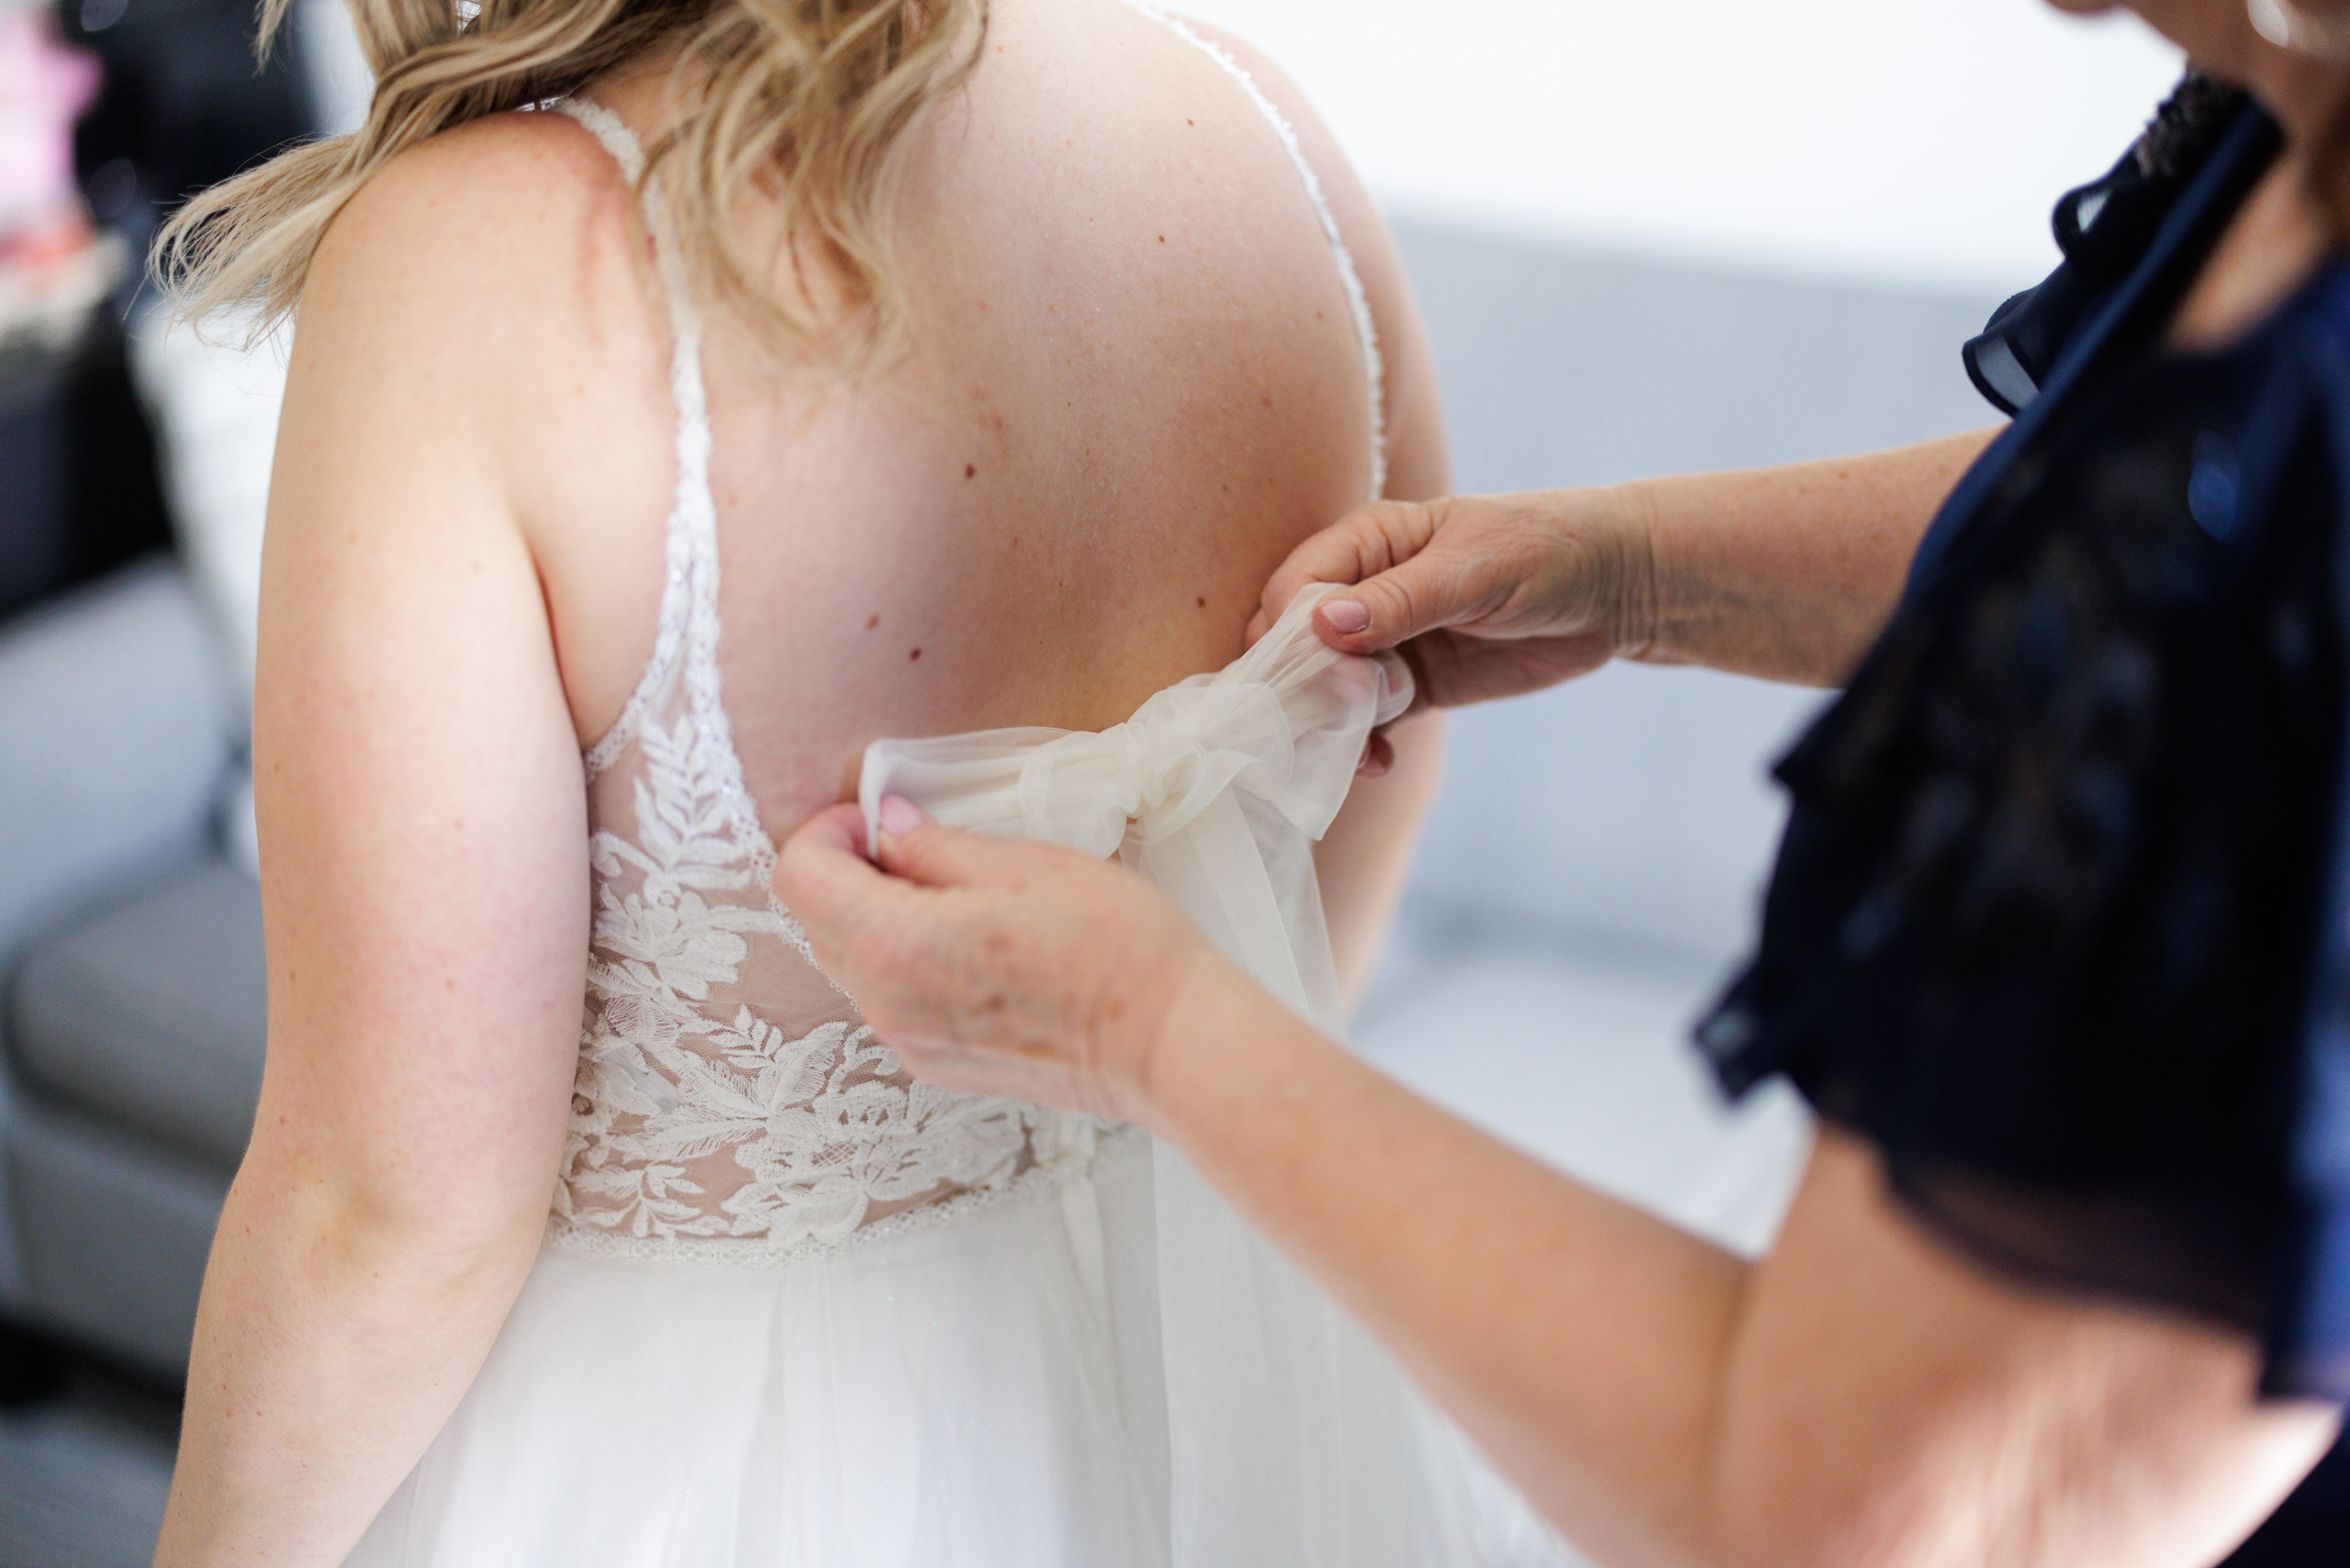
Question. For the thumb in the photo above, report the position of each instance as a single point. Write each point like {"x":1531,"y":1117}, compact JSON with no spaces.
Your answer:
{"x":1397,"y":605}
{"x":931,"y":854}
{"x":822,"y":877}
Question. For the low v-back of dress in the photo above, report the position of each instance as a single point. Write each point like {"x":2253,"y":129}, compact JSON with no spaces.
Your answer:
{"x":796,"y":1308}
{"x":730,"y":1107}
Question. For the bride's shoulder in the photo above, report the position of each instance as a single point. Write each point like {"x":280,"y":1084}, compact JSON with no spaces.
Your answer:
{"x":489,"y":292}
{"x":1316,"y":143}
{"x":501,"y":238}
{"x":493,"y":285}
{"x":1417,"y":461}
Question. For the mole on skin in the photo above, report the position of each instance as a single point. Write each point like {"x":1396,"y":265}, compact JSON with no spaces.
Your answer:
{"x":970,"y":470}
{"x":871,"y":622}
{"x":915,"y":654}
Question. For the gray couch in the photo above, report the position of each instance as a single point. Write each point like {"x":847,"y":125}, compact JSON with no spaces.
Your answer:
{"x":133,"y":1024}
{"x":1587,"y":879}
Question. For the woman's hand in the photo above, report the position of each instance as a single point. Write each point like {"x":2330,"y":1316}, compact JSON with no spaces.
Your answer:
{"x":1483,"y":595}
{"x":1785,"y":573}
{"x":1008,"y":968}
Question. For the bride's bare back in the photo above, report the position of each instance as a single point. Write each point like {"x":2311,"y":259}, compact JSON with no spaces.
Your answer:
{"x":1135,"y":384}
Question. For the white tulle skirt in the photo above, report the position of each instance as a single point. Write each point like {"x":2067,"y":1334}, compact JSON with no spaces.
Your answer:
{"x":987,"y":1393}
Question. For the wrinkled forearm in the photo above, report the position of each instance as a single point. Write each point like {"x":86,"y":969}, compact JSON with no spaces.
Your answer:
{"x":330,"y":1345}
{"x":1785,"y":573}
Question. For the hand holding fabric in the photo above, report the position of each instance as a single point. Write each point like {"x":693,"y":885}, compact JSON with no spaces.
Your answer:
{"x":1019,"y":970}
{"x":1483,"y":595}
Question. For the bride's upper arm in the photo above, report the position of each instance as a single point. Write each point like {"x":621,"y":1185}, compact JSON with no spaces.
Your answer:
{"x":1418,"y":461}
{"x":421,"y":808}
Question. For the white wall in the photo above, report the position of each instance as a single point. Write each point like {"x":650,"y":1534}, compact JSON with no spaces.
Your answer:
{"x":328,"y":51}
{"x":1908,"y":141}
{"x":1916,"y":142}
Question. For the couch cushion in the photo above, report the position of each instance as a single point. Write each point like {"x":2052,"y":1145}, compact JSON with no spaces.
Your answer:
{"x":1635,"y":803}
{"x":149,"y":1016}
{"x":113,"y":743}
{"x":116,"y":1232}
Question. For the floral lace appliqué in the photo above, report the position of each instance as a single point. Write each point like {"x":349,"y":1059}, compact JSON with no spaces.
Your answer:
{"x":697,"y":1115}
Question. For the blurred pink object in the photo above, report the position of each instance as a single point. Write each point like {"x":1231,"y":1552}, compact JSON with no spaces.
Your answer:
{"x":51,"y":270}
{"x":43,"y":87}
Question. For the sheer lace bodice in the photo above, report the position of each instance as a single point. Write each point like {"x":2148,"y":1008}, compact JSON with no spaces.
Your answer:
{"x":727,"y":1093}
{"x":730,"y":1105}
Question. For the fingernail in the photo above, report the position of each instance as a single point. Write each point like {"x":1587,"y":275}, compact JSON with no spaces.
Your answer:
{"x":899,"y":815}
{"x":1346,"y":616}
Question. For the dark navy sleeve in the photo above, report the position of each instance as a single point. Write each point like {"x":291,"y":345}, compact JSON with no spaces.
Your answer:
{"x":2192,"y":158}
{"x":2133,"y":242}
{"x":2059,"y":921}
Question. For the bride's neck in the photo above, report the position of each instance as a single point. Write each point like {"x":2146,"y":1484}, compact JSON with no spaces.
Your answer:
{"x":653,"y":89}
{"x":653,"y":93}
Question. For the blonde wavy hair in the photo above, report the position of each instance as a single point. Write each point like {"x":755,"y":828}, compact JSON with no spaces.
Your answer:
{"x":798,"y":100}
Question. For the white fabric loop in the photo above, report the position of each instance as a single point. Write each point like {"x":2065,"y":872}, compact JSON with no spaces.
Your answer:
{"x":1284,"y":723}
{"x":1210,"y":787}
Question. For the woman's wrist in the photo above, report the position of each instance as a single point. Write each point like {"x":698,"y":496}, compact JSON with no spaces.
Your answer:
{"x":1785,"y":573}
{"x":1635,"y":572}
{"x":1219,"y":1031}
{"x":1676,"y":606}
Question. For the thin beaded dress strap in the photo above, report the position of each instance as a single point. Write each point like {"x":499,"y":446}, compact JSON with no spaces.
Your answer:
{"x":686,"y":650}
{"x":690,"y":591}
{"x":1358,"y":303}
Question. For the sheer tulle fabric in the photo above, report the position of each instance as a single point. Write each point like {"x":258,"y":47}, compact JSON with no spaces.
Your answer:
{"x":1216,"y":790}
{"x":981,"y":1395}
{"x":1293,"y":1438}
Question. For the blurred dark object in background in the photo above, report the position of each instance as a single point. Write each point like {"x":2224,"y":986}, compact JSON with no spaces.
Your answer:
{"x":2312,"y":1530}
{"x":180,"y":104}
{"x":30,"y":1369}
{"x":78,"y":485}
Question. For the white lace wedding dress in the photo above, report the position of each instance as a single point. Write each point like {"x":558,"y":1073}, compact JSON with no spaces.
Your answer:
{"x":798,"y":1311}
